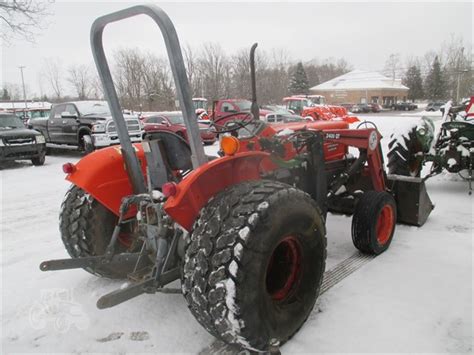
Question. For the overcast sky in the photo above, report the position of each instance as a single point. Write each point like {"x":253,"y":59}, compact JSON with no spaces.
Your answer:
{"x":365,"y":34}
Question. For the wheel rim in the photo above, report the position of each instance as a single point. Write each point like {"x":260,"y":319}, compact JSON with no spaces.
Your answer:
{"x":385,"y":224}
{"x":284,"y":269}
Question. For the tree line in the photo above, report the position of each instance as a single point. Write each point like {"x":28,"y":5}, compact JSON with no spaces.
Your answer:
{"x":437,"y":75}
{"x":144,"y":80}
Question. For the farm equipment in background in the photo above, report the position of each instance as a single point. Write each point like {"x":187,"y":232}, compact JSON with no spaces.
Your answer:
{"x":452,"y":149}
{"x":313,"y":107}
{"x":245,"y":232}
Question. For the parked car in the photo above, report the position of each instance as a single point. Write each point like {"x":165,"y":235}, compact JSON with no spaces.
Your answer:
{"x":361,"y":108}
{"x":374,"y":107}
{"x":18,"y":142}
{"x":85,"y":124}
{"x":348,"y":107}
{"x":173,"y":121}
{"x":434,"y":106}
{"x":404,"y":106}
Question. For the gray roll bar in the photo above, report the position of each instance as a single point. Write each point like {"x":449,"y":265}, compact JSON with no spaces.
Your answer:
{"x":180,"y":78}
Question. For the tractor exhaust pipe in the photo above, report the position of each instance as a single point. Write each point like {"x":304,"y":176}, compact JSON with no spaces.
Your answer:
{"x":254,"y":108}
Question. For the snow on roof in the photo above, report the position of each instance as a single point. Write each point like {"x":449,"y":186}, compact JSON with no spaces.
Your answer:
{"x":10,"y":105}
{"x":359,"y":79}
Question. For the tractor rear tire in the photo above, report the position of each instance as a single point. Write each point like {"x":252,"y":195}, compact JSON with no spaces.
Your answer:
{"x":373,"y":222}
{"x":86,"y":228}
{"x":405,"y":155}
{"x":254,"y":263}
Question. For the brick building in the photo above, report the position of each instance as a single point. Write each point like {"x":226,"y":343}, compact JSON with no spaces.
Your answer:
{"x":360,"y":86}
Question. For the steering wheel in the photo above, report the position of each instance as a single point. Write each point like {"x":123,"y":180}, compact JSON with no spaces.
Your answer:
{"x":237,"y":124}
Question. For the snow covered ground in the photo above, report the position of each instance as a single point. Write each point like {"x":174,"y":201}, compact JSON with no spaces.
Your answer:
{"x":416,"y":297}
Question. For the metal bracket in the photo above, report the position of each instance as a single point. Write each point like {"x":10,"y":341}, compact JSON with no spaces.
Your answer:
{"x":180,"y":78}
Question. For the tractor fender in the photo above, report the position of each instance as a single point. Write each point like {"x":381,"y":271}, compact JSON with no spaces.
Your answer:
{"x":102,"y":175}
{"x":196,"y":189}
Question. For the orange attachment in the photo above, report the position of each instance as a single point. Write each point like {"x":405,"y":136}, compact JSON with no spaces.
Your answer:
{"x":230,"y":145}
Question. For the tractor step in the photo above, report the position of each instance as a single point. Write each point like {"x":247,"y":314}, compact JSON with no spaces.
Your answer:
{"x":331,"y":278}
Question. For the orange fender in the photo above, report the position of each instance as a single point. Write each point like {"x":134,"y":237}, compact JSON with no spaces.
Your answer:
{"x":102,"y":174}
{"x":196,"y":189}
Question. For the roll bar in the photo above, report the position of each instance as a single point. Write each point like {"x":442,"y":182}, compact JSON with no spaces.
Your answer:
{"x":180,"y":78}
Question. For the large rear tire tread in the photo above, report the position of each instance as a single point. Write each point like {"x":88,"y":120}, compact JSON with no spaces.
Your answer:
{"x":86,"y":227}
{"x":403,"y":156}
{"x":227,"y":251}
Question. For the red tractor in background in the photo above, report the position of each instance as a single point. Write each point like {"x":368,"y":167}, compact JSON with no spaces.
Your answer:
{"x":313,"y":107}
{"x":245,"y":232}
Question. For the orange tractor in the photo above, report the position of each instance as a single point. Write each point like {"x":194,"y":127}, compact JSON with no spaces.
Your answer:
{"x":245,"y":232}
{"x":314,"y":107}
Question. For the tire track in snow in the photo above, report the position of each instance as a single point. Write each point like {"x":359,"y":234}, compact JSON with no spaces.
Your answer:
{"x":330,"y":279}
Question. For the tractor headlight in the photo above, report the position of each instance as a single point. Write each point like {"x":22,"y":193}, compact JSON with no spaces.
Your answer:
{"x":40,"y":139}
{"x":98,"y":127}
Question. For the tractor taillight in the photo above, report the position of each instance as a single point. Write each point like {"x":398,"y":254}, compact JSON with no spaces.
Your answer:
{"x":169,"y":189}
{"x":69,"y":168}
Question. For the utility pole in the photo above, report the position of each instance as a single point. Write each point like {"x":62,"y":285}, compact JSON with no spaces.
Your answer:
{"x":23,"y":82}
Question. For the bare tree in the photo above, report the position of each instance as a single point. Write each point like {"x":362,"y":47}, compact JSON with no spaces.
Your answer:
{"x":96,"y":90}
{"x":392,"y":66}
{"x":129,"y":66}
{"x":22,"y":18}
{"x":53,"y":72}
{"x":14,"y":91}
{"x":80,"y":79}
{"x":215,"y":71}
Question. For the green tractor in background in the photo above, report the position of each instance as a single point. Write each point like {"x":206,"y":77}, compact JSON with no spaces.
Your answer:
{"x":452,"y":149}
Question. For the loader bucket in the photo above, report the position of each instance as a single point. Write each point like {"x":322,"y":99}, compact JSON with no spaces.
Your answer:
{"x":413,"y":203}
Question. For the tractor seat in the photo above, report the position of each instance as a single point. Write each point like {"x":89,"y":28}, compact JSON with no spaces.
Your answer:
{"x":178,"y":151}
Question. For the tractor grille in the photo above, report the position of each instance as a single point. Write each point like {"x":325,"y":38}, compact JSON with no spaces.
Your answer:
{"x":133,"y":125}
{"x":15,"y":141}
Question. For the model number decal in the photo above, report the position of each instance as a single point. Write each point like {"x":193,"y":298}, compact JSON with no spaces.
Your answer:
{"x":333,"y":135}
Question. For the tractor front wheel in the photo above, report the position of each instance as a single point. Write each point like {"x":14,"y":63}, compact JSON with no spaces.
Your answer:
{"x":86,"y":228}
{"x":373,"y":222}
{"x":254,"y":263}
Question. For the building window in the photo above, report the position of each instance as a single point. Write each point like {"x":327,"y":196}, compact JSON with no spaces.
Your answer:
{"x":375,"y":99}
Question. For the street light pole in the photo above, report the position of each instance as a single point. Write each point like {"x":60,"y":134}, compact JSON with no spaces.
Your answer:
{"x":23,"y":83}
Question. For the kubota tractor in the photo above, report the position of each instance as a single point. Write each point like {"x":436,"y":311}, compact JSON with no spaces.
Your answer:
{"x":245,"y":232}
{"x":313,"y":107}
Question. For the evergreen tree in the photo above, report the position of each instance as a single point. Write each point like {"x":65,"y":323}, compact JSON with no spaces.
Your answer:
{"x":414,"y":82}
{"x":5,"y":95}
{"x":435,"y":83}
{"x":298,"y":81}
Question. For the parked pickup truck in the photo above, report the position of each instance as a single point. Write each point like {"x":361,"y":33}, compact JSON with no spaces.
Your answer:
{"x":18,"y":142}
{"x":85,"y":124}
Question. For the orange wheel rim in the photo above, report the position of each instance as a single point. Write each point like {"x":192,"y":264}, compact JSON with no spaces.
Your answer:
{"x":385,"y":224}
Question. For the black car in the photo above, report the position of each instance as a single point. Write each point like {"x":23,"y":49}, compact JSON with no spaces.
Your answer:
{"x":434,"y":106}
{"x":18,"y":142}
{"x":404,"y":106}
{"x":361,"y":108}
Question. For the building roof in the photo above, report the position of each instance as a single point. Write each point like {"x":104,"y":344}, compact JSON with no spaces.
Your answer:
{"x":360,"y":80}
